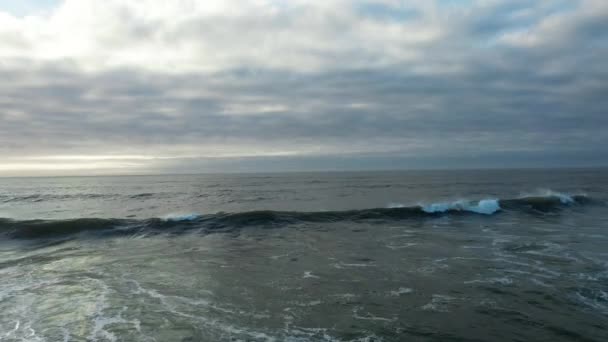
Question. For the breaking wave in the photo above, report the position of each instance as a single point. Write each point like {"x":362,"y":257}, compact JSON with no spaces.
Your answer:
{"x":486,"y":206}
{"x":175,"y":223}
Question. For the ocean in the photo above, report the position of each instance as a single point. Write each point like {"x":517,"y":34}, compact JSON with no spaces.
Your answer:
{"x":475,"y":255}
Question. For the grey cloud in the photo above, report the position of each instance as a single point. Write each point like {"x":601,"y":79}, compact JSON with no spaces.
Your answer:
{"x":505,"y":103}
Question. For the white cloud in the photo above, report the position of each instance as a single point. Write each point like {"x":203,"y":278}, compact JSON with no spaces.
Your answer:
{"x":303,"y":36}
{"x":214,"y":35}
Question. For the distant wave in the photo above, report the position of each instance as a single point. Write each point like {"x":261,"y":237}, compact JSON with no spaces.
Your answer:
{"x":52,"y":197}
{"x":32,"y":229}
{"x":33,"y":198}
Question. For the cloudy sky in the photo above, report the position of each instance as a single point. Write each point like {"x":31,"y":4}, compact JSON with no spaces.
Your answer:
{"x":122,"y":86}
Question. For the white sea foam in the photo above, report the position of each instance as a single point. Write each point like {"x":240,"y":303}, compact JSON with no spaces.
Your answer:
{"x":311,"y":303}
{"x":345,"y":295}
{"x":405,"y":245}
{"x":308,"y":274}
{"x":486,"y":206}
{"x":438,"y":303}
{"x":501,"y":281}
{"x":401,"y":290}
{"x":181,"y":217}
{"x":597,"y":300}
{"x":563,"y":197}
{"x":369,"y":317}
{"x":341,"y":265}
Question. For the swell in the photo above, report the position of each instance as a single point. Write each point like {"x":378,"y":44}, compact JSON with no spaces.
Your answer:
{"x":33,"y":229}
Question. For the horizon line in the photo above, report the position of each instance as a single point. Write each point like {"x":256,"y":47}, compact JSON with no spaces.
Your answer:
{"x":489,"y":168}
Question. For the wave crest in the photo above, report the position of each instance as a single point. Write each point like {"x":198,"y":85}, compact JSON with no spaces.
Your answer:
{"x":548,"y":193}
{"x":485,"y":207}
{"x":180,"y":217}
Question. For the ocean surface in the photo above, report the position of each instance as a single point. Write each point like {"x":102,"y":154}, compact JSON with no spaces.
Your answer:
{"x":486,"y":255}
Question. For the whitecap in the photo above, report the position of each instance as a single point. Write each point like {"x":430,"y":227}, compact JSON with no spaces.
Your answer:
{"x":401,"y":290}
{"x":548,"y":193}
{"x":308,"y":274}
{"x":485,"y":206}
{"x":181,"y":217}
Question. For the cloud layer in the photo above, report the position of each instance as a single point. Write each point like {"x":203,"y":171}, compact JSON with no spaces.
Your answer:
{"x":123,"y":86}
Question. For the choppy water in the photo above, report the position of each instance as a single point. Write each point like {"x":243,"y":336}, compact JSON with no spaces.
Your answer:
{"x":430,"y":256}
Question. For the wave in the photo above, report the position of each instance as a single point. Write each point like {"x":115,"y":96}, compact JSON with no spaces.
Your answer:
{"x":175,"y":223}
{"x":33,"y":198}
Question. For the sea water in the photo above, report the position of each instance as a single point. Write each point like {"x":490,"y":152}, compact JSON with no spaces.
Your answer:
{"x":347,"y":256}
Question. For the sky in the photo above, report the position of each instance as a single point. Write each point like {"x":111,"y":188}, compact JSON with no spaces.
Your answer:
{"x":185,"y":86}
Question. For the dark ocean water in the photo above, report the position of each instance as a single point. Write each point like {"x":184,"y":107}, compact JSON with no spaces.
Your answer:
{"x":514,"y":255}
